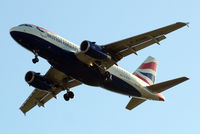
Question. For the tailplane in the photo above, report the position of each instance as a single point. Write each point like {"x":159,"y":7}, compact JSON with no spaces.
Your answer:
{"x":157,"y":89}
{"x":160,"y":87}
{"x":147,"y":71}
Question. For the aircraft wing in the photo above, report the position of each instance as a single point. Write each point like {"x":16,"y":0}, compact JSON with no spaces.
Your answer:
{"x":122,"y":48}
{"x":134,"y":102}
{"x":40,"y":97}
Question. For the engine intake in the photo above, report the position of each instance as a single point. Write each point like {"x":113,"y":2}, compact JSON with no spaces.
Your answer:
{"x":38,"y":81}
{"x":85,"y":45}
{"x":93,"y":50}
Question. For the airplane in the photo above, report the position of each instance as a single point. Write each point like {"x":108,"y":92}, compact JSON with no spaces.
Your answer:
{"x":91,"y":64}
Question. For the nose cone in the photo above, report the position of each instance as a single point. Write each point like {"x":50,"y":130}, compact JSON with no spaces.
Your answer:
{"x":14,"y":31}
{"x":17,"y":34}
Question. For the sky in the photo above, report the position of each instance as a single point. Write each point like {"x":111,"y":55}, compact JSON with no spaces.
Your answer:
{"x":95,"y":110}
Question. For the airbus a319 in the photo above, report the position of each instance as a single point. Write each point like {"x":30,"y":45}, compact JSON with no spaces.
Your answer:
{"x":91,"y":64}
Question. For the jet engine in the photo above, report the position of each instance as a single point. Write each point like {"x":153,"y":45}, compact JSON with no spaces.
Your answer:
{"x":94,"y":51}
{"x":38,"y":81}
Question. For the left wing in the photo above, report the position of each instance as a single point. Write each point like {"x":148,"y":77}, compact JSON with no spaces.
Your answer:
{"x":40,"y":97}
{"x":122,"y":48}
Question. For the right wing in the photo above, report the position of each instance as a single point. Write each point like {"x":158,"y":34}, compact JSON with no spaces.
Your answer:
{"x":134,"y":102}
{"x":40,"y":97}
{"x":119,"y":49}
{"x":122,"y":48}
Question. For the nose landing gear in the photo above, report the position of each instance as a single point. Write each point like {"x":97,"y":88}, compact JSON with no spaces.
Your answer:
{"x":35,"y":60}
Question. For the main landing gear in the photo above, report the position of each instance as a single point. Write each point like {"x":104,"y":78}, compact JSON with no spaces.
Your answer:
{"x":107,"y":75}
{"x":35,"y":60}
{"x":68,"y":95}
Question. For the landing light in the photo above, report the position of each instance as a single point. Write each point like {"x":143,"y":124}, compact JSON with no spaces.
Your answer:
{"x":90,"y":64}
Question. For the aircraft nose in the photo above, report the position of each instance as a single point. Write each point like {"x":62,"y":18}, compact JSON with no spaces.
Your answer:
{"x":16,"y":33}
{"x":13,"y":31}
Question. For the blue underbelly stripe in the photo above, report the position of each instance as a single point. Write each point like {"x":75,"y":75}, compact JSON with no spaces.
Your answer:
{"x":120,"y":86}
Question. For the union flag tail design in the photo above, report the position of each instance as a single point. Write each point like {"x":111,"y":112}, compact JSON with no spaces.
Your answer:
{"x":147,"y":71}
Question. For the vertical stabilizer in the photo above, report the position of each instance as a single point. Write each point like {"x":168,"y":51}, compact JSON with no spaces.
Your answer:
{"x":147,"y":71}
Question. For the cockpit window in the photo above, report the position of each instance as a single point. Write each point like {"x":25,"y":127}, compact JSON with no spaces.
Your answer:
{"x":25,"y":25}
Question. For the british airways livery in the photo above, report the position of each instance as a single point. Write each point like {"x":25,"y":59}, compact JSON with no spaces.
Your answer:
{"x":91,"y":64}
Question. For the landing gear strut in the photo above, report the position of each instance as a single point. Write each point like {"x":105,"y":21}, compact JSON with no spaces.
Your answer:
{"x":35,"y":60}
{"x":68,"y":95}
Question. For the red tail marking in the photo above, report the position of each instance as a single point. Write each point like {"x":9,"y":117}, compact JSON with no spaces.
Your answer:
{"x":141,"y":78}
{"x":150,"y":65}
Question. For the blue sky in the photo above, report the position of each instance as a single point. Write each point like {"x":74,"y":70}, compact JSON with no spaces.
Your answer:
{"x":95,"y":110}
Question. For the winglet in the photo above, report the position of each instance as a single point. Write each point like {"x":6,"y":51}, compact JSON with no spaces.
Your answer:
{"x":187,"y":24}
{"x":182,"y":24}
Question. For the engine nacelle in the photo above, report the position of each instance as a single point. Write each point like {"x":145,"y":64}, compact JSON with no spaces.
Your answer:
{"x":93,"y":50}
{"x":38,"y":81}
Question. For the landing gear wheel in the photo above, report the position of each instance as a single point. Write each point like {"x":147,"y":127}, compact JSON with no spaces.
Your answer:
{"x":70,"y":94}
{"x":35,"y":60}
{"x":66,"y":97}
{"x":107,"y":75}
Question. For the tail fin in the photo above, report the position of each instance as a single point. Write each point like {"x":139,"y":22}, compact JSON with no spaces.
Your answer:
{"x":147,"y":71}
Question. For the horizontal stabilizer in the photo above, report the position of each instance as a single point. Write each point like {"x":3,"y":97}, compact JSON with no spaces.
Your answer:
{"x":160,"y":87}
{"x":134,"y":102}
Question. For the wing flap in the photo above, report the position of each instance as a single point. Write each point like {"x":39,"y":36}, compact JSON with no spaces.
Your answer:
{"x":134,"y":102}
{"x":134,"y":49}
{"x":160,"y":87}
{"x":50,"y":95}
{"x":149,"y":42}
{"x":33,"y":100}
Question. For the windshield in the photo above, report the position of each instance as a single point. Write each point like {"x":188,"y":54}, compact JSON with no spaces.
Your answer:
{"x":25,"y":25}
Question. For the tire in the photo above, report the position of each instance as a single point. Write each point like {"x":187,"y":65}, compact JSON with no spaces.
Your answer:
{"x":66,"y":97}
{"x":35,"y":60}
{"x":71,"y":94}
{"x":107,"y":75}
